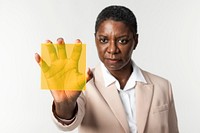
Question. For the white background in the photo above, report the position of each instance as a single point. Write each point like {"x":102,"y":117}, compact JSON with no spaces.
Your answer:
{"x":169,"y":44}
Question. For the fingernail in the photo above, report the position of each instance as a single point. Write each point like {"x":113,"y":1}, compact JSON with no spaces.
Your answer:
{"x":78,"y":41}
{"x":48,"y":41}
{"x":60,"y":40}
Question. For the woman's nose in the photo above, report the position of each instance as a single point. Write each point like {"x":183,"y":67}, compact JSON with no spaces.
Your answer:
{"x":112,"y":48}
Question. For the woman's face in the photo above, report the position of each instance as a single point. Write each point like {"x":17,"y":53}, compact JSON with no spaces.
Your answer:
{"x":115,"y":43}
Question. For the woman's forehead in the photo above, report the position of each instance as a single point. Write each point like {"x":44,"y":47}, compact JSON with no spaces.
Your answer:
{"x":111,"y":26}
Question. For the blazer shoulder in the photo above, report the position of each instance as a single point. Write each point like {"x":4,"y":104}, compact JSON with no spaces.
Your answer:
{"x":155,"y":79}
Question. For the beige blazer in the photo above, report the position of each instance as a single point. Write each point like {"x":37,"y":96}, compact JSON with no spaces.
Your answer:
{"x":100,"y":109}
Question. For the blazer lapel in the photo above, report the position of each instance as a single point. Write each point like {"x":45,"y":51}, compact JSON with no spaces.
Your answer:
{"x":111,"y":96}
{"x":144,"y":93}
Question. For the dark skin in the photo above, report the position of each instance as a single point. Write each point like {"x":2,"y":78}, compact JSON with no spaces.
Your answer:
{"x":115,"y":43}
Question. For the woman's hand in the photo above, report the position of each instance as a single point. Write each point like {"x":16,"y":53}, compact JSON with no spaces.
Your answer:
{"x":63,"y":77}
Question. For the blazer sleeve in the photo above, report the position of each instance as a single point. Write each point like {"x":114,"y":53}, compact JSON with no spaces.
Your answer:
{"x":173,"y":124}
{"x":76,"y":121}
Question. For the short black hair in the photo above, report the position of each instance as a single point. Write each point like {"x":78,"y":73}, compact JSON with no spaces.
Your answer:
{"x":117,"y":13}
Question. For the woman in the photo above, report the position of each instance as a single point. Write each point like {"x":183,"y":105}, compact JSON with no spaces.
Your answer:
{"x":119,"y":97}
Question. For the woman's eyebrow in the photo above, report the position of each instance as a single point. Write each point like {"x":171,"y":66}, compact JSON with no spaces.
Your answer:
{"x":117,"y":36}
{"x":101,"y":35}
{"x":123,"y":36}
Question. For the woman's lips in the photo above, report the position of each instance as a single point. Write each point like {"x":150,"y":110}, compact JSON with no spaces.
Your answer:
{"x":112,"y":61}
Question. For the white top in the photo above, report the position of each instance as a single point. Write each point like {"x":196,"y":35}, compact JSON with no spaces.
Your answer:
{"x":127,"y":95}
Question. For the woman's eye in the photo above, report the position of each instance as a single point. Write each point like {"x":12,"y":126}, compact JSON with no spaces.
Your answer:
{"x":123,"y":41}
{"x":103,"y":40}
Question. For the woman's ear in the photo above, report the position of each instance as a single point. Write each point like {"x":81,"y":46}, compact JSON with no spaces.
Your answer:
{"x":136,"y":41}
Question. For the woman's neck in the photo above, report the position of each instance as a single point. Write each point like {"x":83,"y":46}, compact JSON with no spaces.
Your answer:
{"x":123,"y":74}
